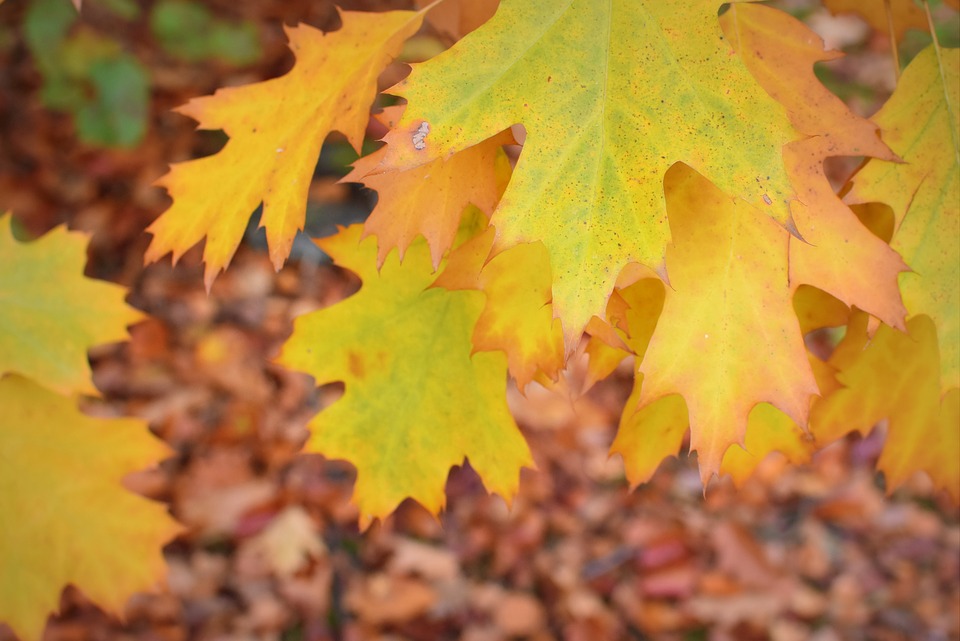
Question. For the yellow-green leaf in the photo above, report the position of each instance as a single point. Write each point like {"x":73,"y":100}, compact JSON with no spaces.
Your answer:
{"x":67,"y":518}
{"x":417,"y":401}
{"x":921,"y":122}
{"x":611,"y":95}
{"x":276,"y":129}
{"x":50,"y":314}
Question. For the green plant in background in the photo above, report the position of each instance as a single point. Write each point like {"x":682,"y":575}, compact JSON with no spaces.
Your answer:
{"x":87,"y":74}
{"x":189,"y":31}
{"x":105,"y":88}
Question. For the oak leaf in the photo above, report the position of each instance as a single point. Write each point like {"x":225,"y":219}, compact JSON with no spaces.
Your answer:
{"x":67,"y":518}
{"x":611,"y":95}
{"x":921,"y":122}
{"x":276,"y":129}
{"x":728,"y":337}
{"x":50,"y":314}
{"x":417,"y":400}
{"x":895,"y":376}
{"x":837,"y":254}
{"x":517,"y":318}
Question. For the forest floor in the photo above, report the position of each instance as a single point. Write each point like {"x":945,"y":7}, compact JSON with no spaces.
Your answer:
{"x":271,"y":548}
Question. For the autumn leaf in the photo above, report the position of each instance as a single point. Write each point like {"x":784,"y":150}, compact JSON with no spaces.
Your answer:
{"x":905,"y":14}
{"x":51,"y":314}
{"x":837,"y":254}
{"x":457,"y":18}
{"x":895,"y":377}
{"x":428,"y":200}
{"x":68,"y":520}
{"x":276,"y":129}
{"x":649,"y":433}
{"x":417,"y":400}
{"x":921,"y":122}
{"x":611,"y":95}
{"x":727,"y":338}
{"x":517,"y":317}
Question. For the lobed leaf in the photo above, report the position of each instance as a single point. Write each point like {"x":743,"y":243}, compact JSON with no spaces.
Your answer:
{"x":611,"y":95}
{"x":921,"y":122}
{"x":276,"y":129}
{"x":51,"y":314}
{"x":417,"y":400}
{"x":67,"y":518}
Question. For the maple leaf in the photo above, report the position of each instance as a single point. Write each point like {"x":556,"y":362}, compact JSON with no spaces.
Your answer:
{"x":68,"y":518}
{"x":921,"y":122}
{"x":611,"y":95}
{"x":727,"y":338}
{"x":428,"y":200}
{"x":276,"y":129}
{"x":417,"y":401}
{"x":51,"y":314}
{"x":517,"y":317}
{"x":896,"y":376}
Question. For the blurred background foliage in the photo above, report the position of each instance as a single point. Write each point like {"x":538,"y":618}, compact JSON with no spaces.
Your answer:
{"x":90,"y":75}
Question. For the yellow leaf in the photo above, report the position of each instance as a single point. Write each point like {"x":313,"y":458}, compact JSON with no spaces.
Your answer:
{"x":896,"y":377}
{"x":768,"y":430}
{"x":611,"y":95}
{"x":727,"y":338}
{"x":921,"y":122}
{"x":50,"y":314}
{"x":417,"y":401}
{"x":428,"y":200}
{"x":517,"y":318}
{"x":67,"y":517}
{"x":276,"y":129}
{"x":648,"y":434}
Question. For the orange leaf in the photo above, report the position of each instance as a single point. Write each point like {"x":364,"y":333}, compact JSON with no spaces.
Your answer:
{"x":428,"y":200}
{"x":837,"y":254}
{"x":906,"y":14}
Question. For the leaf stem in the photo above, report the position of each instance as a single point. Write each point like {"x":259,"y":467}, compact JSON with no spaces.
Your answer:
{"x":936,"y":48}
{"x":893,"y":39}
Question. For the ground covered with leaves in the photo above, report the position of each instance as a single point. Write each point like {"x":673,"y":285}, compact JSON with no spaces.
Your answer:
{"x":271,"y":548}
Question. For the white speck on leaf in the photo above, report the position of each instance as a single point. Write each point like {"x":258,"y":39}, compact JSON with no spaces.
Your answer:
{"x":767,"y":200}
{"x":419,"y":136}
{"x":279,"y":150}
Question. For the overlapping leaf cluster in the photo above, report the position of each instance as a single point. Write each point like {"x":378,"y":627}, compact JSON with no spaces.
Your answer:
{"x":669,"y":204}
{"x":67,"y":517}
